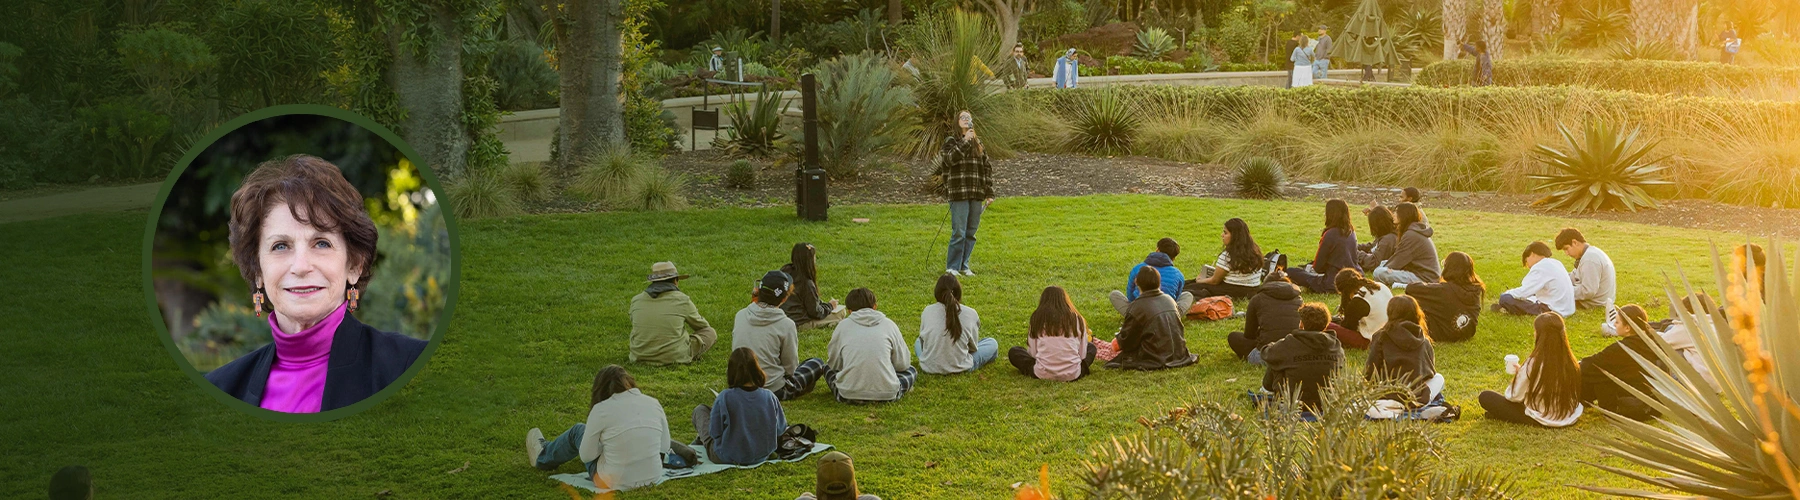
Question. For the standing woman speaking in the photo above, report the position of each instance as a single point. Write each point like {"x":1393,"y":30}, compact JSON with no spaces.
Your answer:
{"x":969,"y":182}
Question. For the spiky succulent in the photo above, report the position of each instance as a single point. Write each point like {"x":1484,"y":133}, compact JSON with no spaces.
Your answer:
{"x":1604,"y":169}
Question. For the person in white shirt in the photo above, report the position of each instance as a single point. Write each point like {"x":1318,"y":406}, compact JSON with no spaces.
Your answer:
{"x":949,"y":333}
{"x":1594,"y":278}
{"x":1546,"y":388}
{"x":1546,"y":287}
{"x":717,"y":62}
{"x":623,"y":442}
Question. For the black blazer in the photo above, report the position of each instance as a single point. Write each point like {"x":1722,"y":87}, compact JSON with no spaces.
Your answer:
{"x":363,"y":361}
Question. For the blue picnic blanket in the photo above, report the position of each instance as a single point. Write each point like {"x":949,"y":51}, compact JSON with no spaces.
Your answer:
{"x":706,"y":466}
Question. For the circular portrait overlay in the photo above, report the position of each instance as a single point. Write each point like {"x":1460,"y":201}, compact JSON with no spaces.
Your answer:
{"x":301,"y":267}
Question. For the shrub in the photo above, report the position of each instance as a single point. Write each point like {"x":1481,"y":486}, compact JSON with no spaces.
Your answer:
{"x":1657,"y":77}
{"x":163,"y":62}
{"x":1128,"y":65}
{"x":1239,"y":36}
{"x":1775,"y":50}
{"x":607,"y":176}
{"x":1259,"y":178}
{"x":128,"y":136}
{"x":1105,"y":125}
{"x":1249,"y":67}
{"x":741,"y":175}
{"x":1602,"y":171}
{"x":658,"y":190}
{"x":9,"y":67}
{"x":271,"y":52}
{"x":479,"y":194}
{"x":1153,"y":44}
{"x":1198,"y":61}
{"x":1180,"y":136}
{"x":1053,"y":19}
{"x":526,"y":180}
{"x":755,"y":126}
{"x":951,"y":79}
{"x":861,"y":112}
{"x":526,"y":79}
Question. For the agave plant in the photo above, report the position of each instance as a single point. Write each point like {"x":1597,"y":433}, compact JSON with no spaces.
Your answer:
{"x":1153,"y":44}
{"x":1742,"y":440}
{"x":1604,"y":170}
{"x":1600,"y":25}
{"x":1259,"y":178}
{"x":756,"y":127}
{"x":1104,"y":125}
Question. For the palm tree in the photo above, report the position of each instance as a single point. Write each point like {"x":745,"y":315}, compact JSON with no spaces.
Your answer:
{"x":1546,"y":17}
{"x":1493,"y":27}
{"x":1455,"y":21}
{"x":1673,"y":22}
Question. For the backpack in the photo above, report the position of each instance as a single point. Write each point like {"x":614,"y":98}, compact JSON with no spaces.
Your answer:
{"x":1211,"y":308}
{"x":796,"y":442}
{"x":1273,"y":261}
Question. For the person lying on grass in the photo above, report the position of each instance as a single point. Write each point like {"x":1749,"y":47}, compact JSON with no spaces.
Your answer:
{"x":1594,"y":279}
{"x":1546,"y":287}
{"x":765,"y":329}
{"x":1599,"y":389}
{"x":950,"y":333}
{"x":744,"y":424}
{"x":1402,"y":351}
{"x":623,"y":443}
{"x":1151,"y":336}
{"x":1362,"y":306}
{"x":666,"y":328}
{"x":1163,"y":259}
{"x":1060,"y":347}
{"x":1238,"y":271}
{"x":1337,"y":250}
{"x":869,"y":361}
{"x":1546,"y":389}
{"x":1453,"y":304}
{"x":1272,"y":314}
{"x":1306,"y":358}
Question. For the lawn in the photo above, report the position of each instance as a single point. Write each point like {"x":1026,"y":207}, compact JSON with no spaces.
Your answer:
{"x":542,"y":307}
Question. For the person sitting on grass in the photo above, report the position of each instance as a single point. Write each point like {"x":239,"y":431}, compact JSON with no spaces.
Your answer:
{"x":1681,"y":338}
{"x":1381,"y":226}
{"x":1415,"y":258}
{"x":1402,"y":351}
{"x":623,"y":442}
{"x":1595,"y":280}
{"x":1307,"y":358}
{"x":1453,"y":304}
{"x":949,"y":332}
{"x":1337,"y":250}
{"x":1163,"y":259}
{"x":661,"y":319}
{"x":1059,"y":346}
{"x":868,"y":360}
{"x":1546,"y":389}
{"x":72,"y":483}
{"x":1272,"y":314}
{"x":1599,"y":389}
{"x":1546,"y":287}
{"x":745,"y":421}
{"x":764,"y":328}
{"x":1362,"y":306}
{"x":1239,"y":269}
{"x":836,"y":480}
{"x":1408,"y":195}
{"x":805,"y":307}
{"x":1151,"y":335}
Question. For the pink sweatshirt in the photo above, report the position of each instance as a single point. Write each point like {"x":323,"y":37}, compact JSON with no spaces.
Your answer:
{"x":297,"y":379}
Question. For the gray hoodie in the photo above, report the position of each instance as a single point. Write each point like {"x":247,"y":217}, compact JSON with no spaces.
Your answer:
{"x":868,"y":352}
{"x":768,"y":331}
{"x":1416,"y":253}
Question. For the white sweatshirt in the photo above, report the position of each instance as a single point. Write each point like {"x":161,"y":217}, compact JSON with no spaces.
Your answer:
{"x":1549,"y":284}
{"x":1595,"y":280}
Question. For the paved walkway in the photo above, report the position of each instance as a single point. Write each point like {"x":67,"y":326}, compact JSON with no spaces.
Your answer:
{"x":110,"y":199}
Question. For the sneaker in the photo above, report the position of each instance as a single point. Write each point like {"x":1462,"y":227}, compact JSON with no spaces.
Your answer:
{"x":1495,"y":308}
{"x":1239,"y":314}
{"x":534,"y":446}
{"x":951,"y":272}
{"x":1398,"y":287}
{"x":967,"y":272}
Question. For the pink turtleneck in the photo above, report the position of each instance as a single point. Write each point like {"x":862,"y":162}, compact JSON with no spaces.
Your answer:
{"x":297,"y":379}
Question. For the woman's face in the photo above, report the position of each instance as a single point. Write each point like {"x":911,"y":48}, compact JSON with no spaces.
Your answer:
{"x":1225,"y":236}
{"x":304,"y":270}
{"x":966,"y":120}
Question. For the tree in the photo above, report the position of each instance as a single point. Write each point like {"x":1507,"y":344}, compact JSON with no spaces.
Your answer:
{"x":1456,"y":23}
{"x":1546,"y":17}
{"x":893,"y":12}
{"x":1007,"y":14}
{"x":428,"y":81}
{"x":1673,"y":22}
{"x":590,"y":60}
{"x":1493,"y":27}
{"x":775,"y":21}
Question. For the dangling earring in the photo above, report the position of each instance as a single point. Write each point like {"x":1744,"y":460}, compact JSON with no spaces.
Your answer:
{"x":257,"y":299}
{"x":353,"y":294}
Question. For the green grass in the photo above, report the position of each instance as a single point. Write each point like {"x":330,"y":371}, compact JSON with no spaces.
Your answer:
{"x":542,"y":307}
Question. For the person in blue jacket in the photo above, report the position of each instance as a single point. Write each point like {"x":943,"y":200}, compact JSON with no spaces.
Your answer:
{"x":1163,"y":259}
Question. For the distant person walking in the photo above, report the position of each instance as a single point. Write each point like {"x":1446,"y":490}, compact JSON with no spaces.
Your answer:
{"x":1288,"y":65}
{"x":1018,"y":76}
{"x":1322,"y":53}
{"x":717,"y":62}
{"x":1302,"y":58}
{"x":1484,"y":64}
{"x":969,"y":181}
{"x":1729,"y":44}
{"x":1068,"y":70}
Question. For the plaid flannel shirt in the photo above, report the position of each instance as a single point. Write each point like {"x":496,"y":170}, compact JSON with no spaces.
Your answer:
{"x":965,"y":170}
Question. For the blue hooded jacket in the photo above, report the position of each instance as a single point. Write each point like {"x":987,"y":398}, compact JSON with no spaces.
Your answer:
{"x":1172,"y":280}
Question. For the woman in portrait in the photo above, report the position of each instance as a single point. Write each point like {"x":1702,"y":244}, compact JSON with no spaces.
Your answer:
{"x":301,"y":238}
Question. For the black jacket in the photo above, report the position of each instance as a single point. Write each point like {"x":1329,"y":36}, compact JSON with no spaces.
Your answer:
{"x":1151,"y":337}
{"x":1305,"y":358}
{"x":1451,"y":310}
{"x":1401,"y":350}
{"x":363,"y":361}
{"x":1274,"y":312}
{"x":1597,"y":388}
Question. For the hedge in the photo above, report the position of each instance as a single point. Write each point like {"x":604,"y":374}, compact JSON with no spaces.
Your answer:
{"x":1136,"y":66}
{"x":1655,"y":77}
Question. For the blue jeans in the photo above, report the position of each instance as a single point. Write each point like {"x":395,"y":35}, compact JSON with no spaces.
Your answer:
{"x":564,"y":448}
{"x":965,"y":217}
{"x":1320,"y":67}
{"x":986,"y":351}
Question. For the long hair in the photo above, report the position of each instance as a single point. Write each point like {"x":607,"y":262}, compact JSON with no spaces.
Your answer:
{"x":611,"y":380}
{"x":949,"y":293}
{"x":1347,"y":282}
{"x":1555,"y":384}
{"x":805,"y":260}
{"x":1242,"y":251}
{"x":1337,"y":215}
{"x":1056,"y":315}
{"x":1405,"y":215}
{"x":743,"y":371}
{"x":1404,"y":308}
{"x":1459,"y":268}
{"x":1636,"y":320}
{"x":956,"y":123}
{"x":1381,"y":222}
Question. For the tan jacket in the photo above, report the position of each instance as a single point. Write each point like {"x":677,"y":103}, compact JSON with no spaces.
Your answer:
{"x":660,"y":325}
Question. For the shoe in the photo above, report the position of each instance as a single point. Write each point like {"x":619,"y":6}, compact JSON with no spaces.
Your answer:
{"x":1496,"y":309}
{"x":967,"y":272}
{"x":1239,"y":314}
{"x":1398,"y":287}
{"x":951,"y":272}
{"x":534,"y":446}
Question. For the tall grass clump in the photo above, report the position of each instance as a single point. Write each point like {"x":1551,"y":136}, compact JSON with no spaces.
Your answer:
{"x":1756,"y":162}
{"x":527,"y":181}
{"x":480,"y":194}
{"x":1260,"y":178}
{"x":657,"y":190}
{"x":1103,"y":125}
{"x":954,"y":54}
{"x":1186,"y":138}
{"x":1365,"y":152}
{"x":607,"y":176}
{"x":1266,"y":133}
{"x":861,"y":112}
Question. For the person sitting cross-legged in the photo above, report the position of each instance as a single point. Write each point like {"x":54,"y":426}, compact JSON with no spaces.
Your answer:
{"x":1273,"y":313}
{"x":950,"y":339}
{"x":1545,"y":390}
{"x":1402,"y":352}
{"x":1151,"y":336}
{"x":869,"y":361}
{"x":666,"y":328}
{"x":1306,"y":358}
{"x":1546,"y":287}
{"x":745,"y":421}
{"x":1599,"y":389}
{"x":1163,"y":259}
{"x":1595,"y":280}
{"x":1060,"y":346}
{"x":623,"y":441}
{"x":1415,"y":257}
{"x":765,"y":328}
{"x":1453,"y":304}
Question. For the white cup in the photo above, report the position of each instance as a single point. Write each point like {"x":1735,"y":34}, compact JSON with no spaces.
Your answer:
{"x":1512,"y":364}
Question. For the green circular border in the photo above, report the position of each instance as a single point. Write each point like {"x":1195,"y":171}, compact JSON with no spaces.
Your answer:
{"x":437,"y":330}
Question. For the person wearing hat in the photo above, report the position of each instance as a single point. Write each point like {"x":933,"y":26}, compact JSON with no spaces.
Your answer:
{"x":836,"y":480}
{"x":1068,"y":70}
{"x":661,"y":318}
{"x":717,"y":62}
{"x":763,"y":327}
{"x":1322,"y":53}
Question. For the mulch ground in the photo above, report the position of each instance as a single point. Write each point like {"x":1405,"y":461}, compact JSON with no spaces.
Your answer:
{"x":1033,"y":174}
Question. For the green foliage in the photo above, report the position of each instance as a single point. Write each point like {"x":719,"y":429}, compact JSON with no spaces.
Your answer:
{"x":747,"y":44}
{"x":1604,"y":170}
{"x":1213,"y":449}
{"x":658,"y":191}
{"x":648,"y":127}
{"x":953,"y":54}
{"x":1741,"y":440}
{"x":1104,"y":125}
{"x":862,"y":112}
{"x":1239,"y":37}
{"x":482,"y":193}
{"x":741,"y":175}
{"x":1232,"y":67}
{"x":527,"y":181}
{"x":1659,"y":77}
{"x":866,"y":31}
{"x":127,"y":136}
{"x":1198,"y":61}
{"x":1153,"y":44}
{"x":1418,"y":31}
{"x":756,"y":125}
{"x":607,"y":176}
{"x":1127,"y":65}
{"x":222,"y":332}
{"x":9,"y":67}
{"x":1600,"y":25}
{"x":1629,"y":50}
{"x":1053,"y":19}
{"x":1775,"y":50}
{"x":271,"y":52}
{"x":163,"y":61}
{"x":1260,"y":178}
{"x":526,"y":79}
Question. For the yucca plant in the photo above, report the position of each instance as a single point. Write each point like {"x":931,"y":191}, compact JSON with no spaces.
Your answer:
{"x":861,"y":112}
{"x":658,"y":190}
{"x":1209,"y":449}
{"x":1603,"y":170}
{"x":1260,"y":178}
{"x":952,"y":57}
{"x":1104,"y":124}
{"x":1742,"y":440}
{"x":607,"y":176}
{"x":1153,"y":44}
{"x":1600,"y":25}
{"x":479,"y":193}
{"x":755,"y":127}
